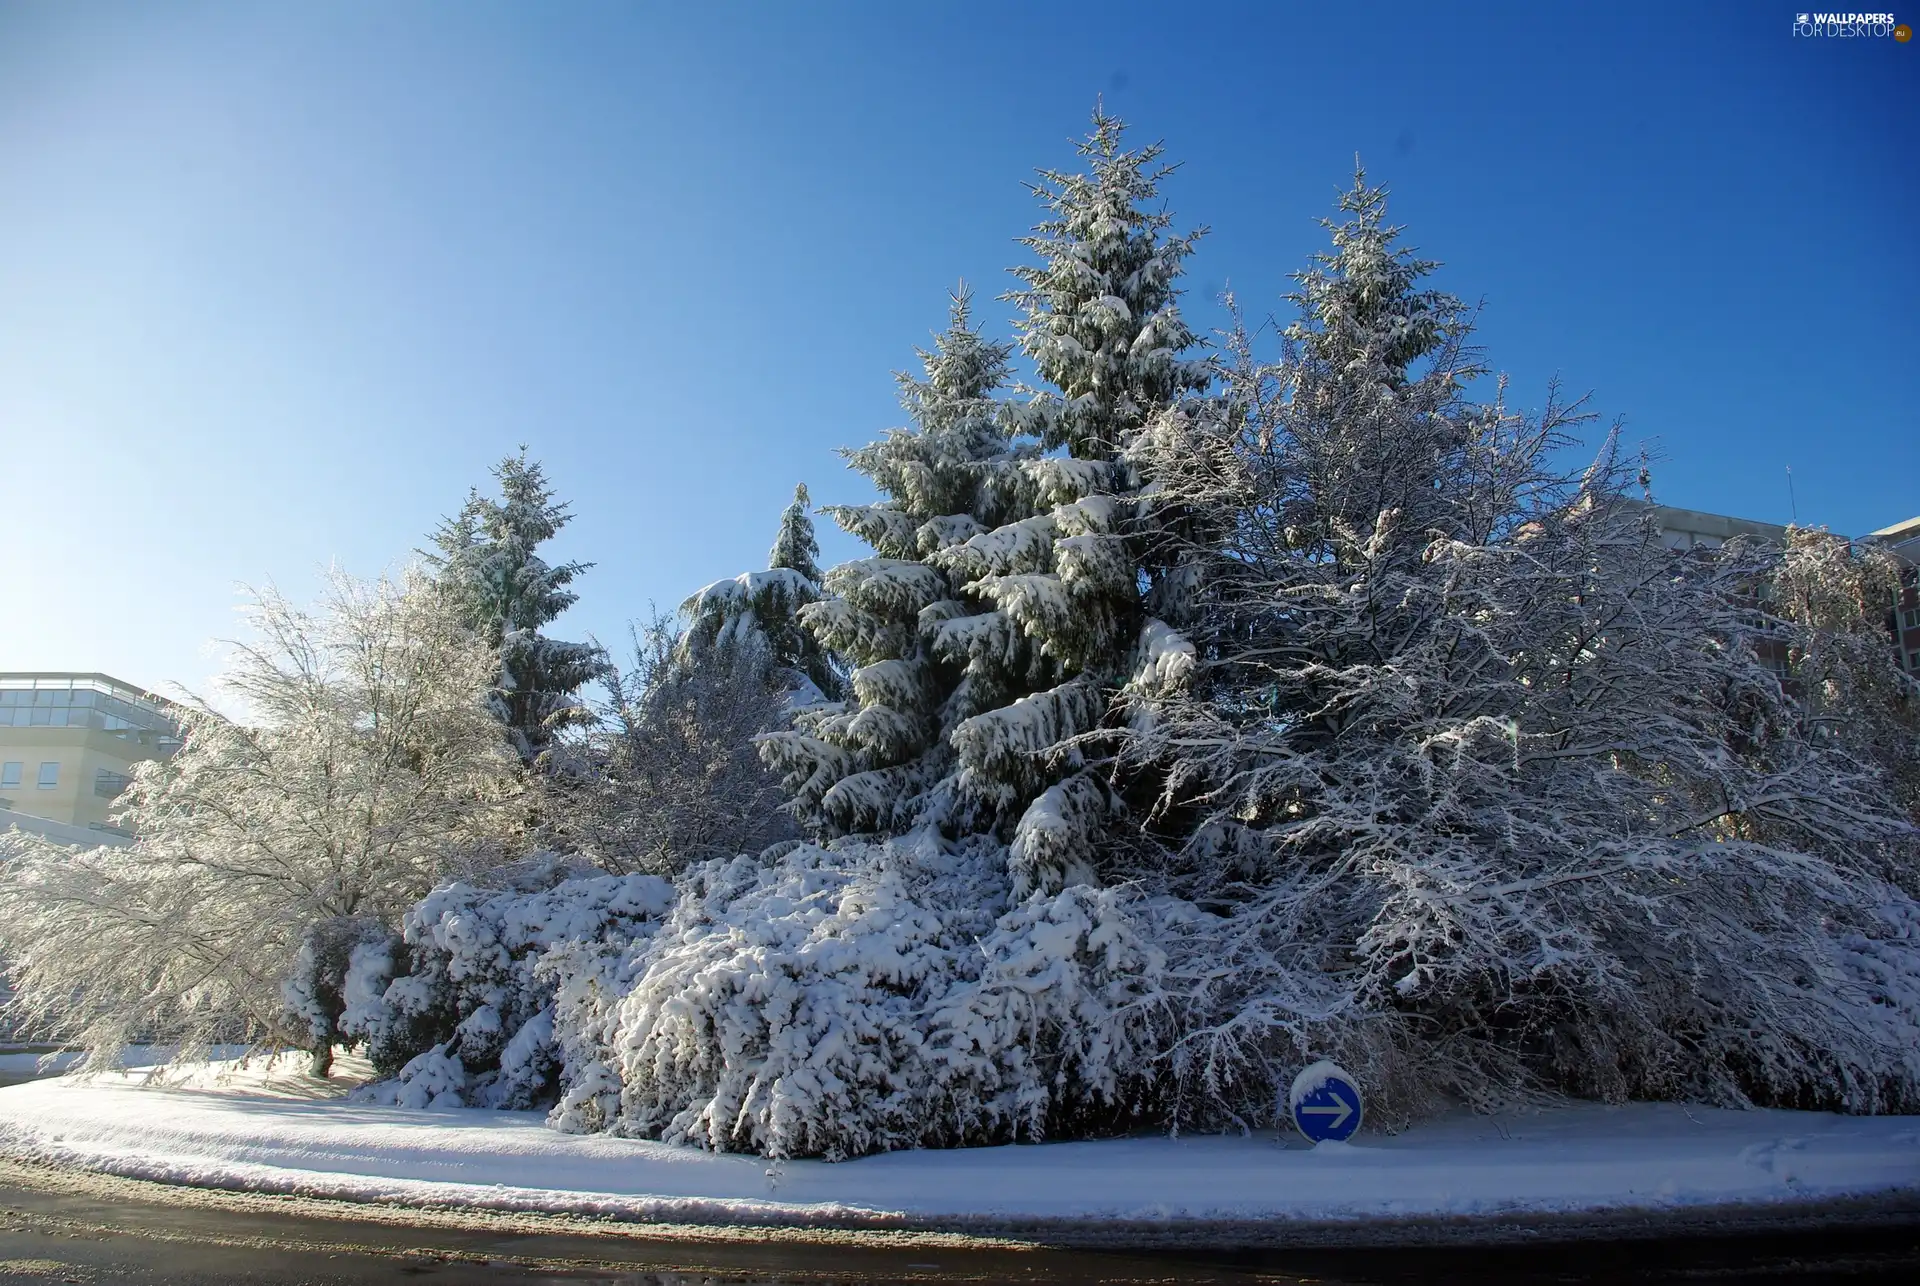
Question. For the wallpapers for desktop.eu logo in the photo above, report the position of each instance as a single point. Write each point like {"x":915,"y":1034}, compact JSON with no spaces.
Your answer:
{"x":1846,"y":25}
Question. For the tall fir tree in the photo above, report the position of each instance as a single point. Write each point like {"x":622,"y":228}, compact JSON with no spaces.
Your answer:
{"x":506,"y":592}
{"x":881,"y":761}
{"x":795,"y":546}
{"x":1371,"y":343}
{"x":1008,"y":599}
{"x":1102,"y":317}
{"x":761,"y":611}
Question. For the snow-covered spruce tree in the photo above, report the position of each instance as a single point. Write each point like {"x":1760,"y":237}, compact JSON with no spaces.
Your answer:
{"x":1006,"y":601}
{"x":939,"y":969}
{"x":878,"y":762}
{"x":366,"y":770}
{"x":757,"y":614}
{"x":1485,"y":789}
{"x":487,"y":567}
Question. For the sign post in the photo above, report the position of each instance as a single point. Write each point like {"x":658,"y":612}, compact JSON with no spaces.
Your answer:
{"x":1324,"y":1103}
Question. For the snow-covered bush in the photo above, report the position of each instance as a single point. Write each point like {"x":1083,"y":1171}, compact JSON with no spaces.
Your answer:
{"x":1062,"y":1031}
{"x":315,"y":990}
{"x":780,"y":1009}
{"x":867,"y":997}
{"x":809,"y":1002}
{"x":458,"y":1009}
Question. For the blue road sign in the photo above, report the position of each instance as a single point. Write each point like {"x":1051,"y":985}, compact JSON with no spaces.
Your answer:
{"x":1325,"y":1103}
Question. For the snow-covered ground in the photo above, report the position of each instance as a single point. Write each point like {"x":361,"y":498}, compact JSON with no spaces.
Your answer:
{"x":264,"y":1129}
{"x":25,"y":1063}
{"x":149,"y":1066}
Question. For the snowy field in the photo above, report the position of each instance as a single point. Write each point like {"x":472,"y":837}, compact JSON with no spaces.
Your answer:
{"x":267,"y":1129}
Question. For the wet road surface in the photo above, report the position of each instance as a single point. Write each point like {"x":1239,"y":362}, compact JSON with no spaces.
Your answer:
{"x":83,"y":1238}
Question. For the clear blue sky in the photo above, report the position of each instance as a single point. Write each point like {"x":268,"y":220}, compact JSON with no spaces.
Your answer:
{"x":279,"y":281}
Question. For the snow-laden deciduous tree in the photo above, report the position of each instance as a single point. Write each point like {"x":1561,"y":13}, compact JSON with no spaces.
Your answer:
{"x":671,"y":775}
{"x":1831,"y":598}
{"x":487,"y":567}
{"x":1482,"y":786}
{"x":365,"y":770}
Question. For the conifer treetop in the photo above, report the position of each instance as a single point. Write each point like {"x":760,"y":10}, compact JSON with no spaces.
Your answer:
{"x":1102,"y":320}
{"x":486,"y":557}
{"x":1360,"y":304}
{"x":934,"y":470}
{"x":759,"y":611}
{"x":487,"y":570}
{"x":962,"y":369}
{"x":794,"y":546}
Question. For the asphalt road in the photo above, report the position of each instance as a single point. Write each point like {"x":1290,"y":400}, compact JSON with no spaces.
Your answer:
{"x":50,"y":1236}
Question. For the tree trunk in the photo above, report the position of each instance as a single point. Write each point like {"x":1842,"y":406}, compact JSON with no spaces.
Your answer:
{"x":320,"y":1057}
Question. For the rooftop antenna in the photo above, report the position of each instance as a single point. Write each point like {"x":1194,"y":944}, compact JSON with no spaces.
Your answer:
{"x":1793,"y":506}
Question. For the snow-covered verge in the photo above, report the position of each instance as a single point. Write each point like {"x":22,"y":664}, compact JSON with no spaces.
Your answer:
{"x":1579,"y":1159}
{"x":231,"y":1069}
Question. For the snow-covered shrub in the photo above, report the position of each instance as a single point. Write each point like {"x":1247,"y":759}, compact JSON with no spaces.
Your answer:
{"x":459,"y":1008}
{"x":1880,"y":961}
{"x":780,"y":1009}
{"x":1061,"y":1032}
{"x":590,"y":977}
{"x":868,"y":997}
{"x":315,"y":992}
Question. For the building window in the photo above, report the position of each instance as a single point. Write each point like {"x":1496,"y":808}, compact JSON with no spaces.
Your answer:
{"x":1913,"y":663}
{"x":1913,"y":618}
{"x":108,"y":784}
{"x":49,"y":774}
{"x":10,"y":773}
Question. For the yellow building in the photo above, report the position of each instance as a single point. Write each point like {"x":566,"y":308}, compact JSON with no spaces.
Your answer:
{"x":68,"y":744}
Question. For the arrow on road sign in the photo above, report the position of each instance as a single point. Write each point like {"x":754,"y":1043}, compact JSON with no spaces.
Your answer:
{"x":1339,"y":1114}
